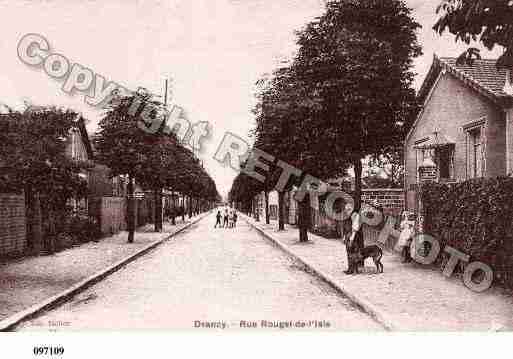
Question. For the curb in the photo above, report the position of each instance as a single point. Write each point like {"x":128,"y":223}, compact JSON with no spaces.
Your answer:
{"x":9,"y":323}
{"x":367,"y":307}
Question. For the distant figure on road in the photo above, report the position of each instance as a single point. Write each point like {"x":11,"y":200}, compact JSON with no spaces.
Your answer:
{"x":230,"y":219}
{"x":218,"y":219}
{"x":234,"y":219}
{"x":225,"y":223}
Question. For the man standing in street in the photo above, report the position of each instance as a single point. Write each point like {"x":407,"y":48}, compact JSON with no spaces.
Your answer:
{"x":218,"y":219}
{"x":225,"y":222}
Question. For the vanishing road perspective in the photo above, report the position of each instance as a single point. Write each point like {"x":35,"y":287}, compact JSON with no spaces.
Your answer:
{"x":206,"y":278}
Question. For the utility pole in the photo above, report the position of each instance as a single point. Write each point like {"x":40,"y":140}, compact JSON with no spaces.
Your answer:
{"x":165,"y":94}
{"x":158,"y":193}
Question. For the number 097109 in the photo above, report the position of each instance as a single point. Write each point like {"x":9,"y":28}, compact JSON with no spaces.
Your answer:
{"x":48,"y":350}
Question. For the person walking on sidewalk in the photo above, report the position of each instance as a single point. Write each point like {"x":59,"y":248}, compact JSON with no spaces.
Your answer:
{"x":218,"y":219}
{"x":234,"y":218}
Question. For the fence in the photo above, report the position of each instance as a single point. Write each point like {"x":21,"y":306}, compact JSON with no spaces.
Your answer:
{"x":109,"y":212}
{"x":144,"y":209}
{"x":13,"y":238}
{"x":324,"y":225}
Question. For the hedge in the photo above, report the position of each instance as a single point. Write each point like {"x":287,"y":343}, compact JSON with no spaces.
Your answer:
{"x":475,"y":217}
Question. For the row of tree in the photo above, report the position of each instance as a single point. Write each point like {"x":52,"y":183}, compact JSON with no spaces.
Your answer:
{"x":347,"y":95}
{"x":156,"y":160}
{"x":33,"y":160}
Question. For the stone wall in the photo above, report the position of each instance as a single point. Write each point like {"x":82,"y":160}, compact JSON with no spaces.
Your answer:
{"x":13,"y":239}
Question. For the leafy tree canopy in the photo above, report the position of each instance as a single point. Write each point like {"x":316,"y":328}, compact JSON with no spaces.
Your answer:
{"x":487,"y":21}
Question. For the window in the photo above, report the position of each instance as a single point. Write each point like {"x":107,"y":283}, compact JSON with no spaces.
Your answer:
{"x":425,"y":154}
{"x":475,"y":153}
{"x":442,"y":157}
{"x":444,"y":161}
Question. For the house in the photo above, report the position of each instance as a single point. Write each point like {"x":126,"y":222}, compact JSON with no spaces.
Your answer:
{"x":99,"y":182}
{"x":465,"y":127}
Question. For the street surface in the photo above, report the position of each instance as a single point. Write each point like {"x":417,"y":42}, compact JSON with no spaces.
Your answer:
{"x":208,"y":279}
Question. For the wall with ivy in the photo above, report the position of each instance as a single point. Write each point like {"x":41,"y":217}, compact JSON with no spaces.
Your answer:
{"x":475,"y":217}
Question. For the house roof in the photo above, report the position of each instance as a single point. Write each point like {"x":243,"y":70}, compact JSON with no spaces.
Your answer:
{"x":80,"y":123}
{"x":482,"y":76}
{"x":436,"y":140}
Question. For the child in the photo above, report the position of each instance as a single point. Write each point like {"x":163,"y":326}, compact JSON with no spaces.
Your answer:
{"x":225,"y":222}
{"x":407,"y":225}
{"x":230,"y":219}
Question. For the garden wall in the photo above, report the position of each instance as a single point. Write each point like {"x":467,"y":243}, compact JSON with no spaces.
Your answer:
{"x":475,"y":218}
{"x":13,"y":238}
{"x":109,"y":212}
{"x":390,"y":200}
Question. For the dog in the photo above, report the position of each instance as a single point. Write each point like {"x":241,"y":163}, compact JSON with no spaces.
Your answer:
{"x":373,"y":252}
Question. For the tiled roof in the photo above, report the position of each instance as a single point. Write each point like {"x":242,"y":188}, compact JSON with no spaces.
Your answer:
{"x":482,"y":73}
{"x":482,"y":76}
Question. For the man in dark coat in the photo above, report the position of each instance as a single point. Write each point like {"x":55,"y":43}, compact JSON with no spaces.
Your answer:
{"x":218,"y":219}
{"x":225,"y":222}
{"x":352,"y":237}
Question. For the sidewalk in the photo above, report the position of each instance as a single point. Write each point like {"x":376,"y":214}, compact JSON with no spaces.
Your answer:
{"x":28,"y":281}
{"x":409,"y":296}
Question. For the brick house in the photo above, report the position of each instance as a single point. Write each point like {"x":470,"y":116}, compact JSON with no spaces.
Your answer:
{"x":465,"y":127}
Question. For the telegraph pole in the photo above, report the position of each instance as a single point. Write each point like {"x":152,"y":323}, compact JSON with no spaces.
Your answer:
{"x":158,"y":193}
{"x":165,"y":94}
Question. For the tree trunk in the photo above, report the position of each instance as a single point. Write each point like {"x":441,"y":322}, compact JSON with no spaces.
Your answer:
{"x":281,"y":211}
{"x":183,"y":207}
{"x":257,"y":211}
{"x":173,"y":209}
{"x":358,"y":198}
{"x":267,"y":217}
{"x":131,"y":210}
{"x":190,"y":207}
{"x":304,"y":218}
{"x":158,"y":209}
{"x":357,"y":184}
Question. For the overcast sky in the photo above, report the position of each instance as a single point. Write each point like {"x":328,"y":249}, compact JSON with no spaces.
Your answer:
{"x":215,"y":51}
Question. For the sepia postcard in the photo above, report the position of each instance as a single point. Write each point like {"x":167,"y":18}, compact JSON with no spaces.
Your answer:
{"x":255,"y":166}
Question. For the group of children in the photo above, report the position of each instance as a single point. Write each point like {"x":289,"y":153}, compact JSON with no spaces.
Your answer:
{"x":229,"y":218}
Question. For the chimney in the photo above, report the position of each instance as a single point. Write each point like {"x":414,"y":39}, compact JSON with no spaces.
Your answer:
{"x":508,"y":86}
